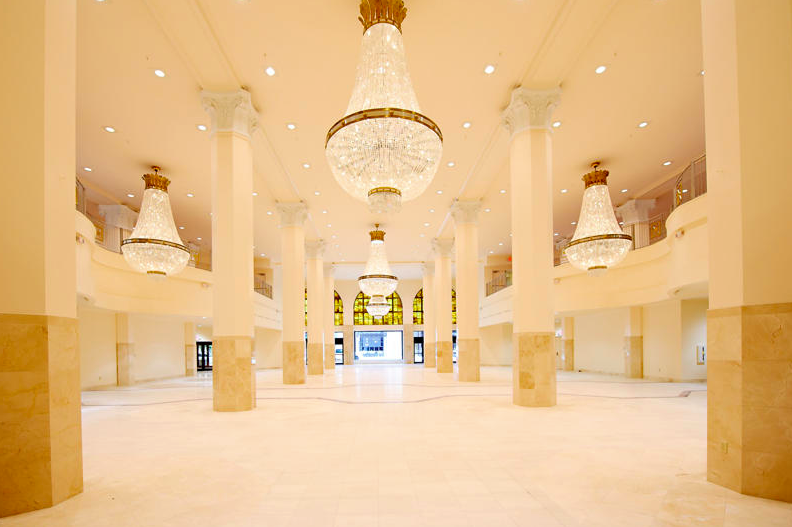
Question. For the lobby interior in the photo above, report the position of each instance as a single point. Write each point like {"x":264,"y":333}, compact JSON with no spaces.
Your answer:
{"x":205,"y":345}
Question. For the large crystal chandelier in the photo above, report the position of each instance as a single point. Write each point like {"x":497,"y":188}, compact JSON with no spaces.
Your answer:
{"x":155,"y":247}
{"x":377,"y":280}
{"x":384,"y":150}
{"x":598,"y":242}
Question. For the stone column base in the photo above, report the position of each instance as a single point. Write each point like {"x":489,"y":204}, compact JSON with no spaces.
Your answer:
{"x":633,"y":357}
{"x":533,"y":369}
{"x":349,"y":346}
{"x":568,"y":350}
{"x":315,"y":358}
{"x":294,"y":362}
{"x":189,"y":359}
{"x":469,"y":360}
{"x":430,"y":355}
{"x":749,"y":399}
{"x":445,"y":357}
{"x":41,"y":431}
{"x":125,"y":361}
{"x":233,"y":375}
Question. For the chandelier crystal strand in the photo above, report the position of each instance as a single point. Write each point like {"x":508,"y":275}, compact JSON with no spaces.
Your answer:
{"x":384,"y":150}
{"x":155,"y":247}
{"x":599,"y":242}
{"x":377,"y":280}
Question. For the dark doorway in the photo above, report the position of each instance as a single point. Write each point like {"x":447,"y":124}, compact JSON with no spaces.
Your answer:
{"x":203,"y":355}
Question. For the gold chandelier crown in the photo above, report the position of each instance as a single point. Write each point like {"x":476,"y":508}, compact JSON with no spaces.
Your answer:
{"x":376,"y":11}
{"x":156,"y":180}
{"x":377,"y":234}
{"x":596,"y":177}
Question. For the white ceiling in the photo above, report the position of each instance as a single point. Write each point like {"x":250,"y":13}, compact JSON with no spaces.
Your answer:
{"x":652,"y":50}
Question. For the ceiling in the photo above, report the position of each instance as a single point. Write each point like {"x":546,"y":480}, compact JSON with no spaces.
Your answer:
{"x":651,"y":48}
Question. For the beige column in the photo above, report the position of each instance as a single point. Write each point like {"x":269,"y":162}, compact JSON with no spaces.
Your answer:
{"x":292,"y":217}
{"x":125,"y":351}
{"x":328,"y":315}
{"x":430,"y":316}
{"x":233,"y":376}
{"x":568,"y":343}
{"x":349,"y":345}
{"x":189,"y":349}
{"x":314,"y":270}
{"x":467,"y":271}
{"x":635,"y":216}
{"x":748,"y":62}
{"x":409,"y":344}
{"x":40,"y":426}
{"x":633,"y":343}
{"x":443,"y":249}
{"x":530,"y":157}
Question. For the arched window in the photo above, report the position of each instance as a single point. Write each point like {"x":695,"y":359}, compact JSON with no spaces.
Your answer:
{"x":394,"y":318}
{"x":306,"y":307}
{"x":418,"y":314}
{"x":453,"y":306}
{"x":338,"y":306}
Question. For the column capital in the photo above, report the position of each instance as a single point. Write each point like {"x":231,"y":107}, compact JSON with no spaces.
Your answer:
{"x":314,"y":249}
{"x":443,"y":247}
{"x":230,"y":112}
{"x":428,"y":268}
{"x":292,"y":214}
{"x":530,"y":109}
{"x":636,"y":210}
{"x":465,"y":211}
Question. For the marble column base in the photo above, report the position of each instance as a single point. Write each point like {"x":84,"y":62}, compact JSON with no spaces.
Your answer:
{"x":349,"y":346}
{"x":568,"y":351}
{"x":233,"y":375}
{"x":294,"y":362}
{"x":315,"y":358}
{"x":633,"y":357}
{"x":329,"y":356}
{"x":533,"y":369}
{"x":445,"y":357}
{"x":40,"y":430}
{"x":189,"y":359}
{"x":430,"y":354}
{"x":469,"y":360}
{"x":125,"y":362}
{"x":749,"y":399}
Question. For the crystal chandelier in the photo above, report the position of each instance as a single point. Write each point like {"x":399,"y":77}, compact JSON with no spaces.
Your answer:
{"x":155,"y":247}
{"x":377,"y":280}
{"x":384,"y":150}
{"x":598,"y":242}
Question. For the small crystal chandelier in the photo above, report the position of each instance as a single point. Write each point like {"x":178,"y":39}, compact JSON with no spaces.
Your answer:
{"x":377,"y":280}
{"x":384,"y":150}
{"x":155,"y":247}
{"x":598,"y":242}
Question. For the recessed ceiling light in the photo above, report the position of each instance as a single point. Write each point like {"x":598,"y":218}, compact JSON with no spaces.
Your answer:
{"x":306,"y":165}
{"x":702,"y":72}
{"x":317,"y":193}
{"x":255,"y":194}
{"x":600,"y":69}
{"x":159,"y":73}
{"x":269,"y":213}
{"x":109,"y":129}
{"x":190,"y":195}
{"x":130,"y":195}
{"x":492,"y":252}
{"x":421,"y":235}
{"x":181,"y":228}
{"x":439,"y":191}
{"x":291,"y":126}
{"x":574,"y":223}
{"x":329,"y":225}
{"x":555,"y":234}
{"x":503,"y":191}
{"x":489,"y":69}
{"x":665,"y":164}
{"x":621,"y":223}
{"x":262,"y":255}
{"x":270,"y":71}
{"x":500,"y":243}
{"x":451,"y":164}
{"x":87,"y":169}
{"x":334,"y":236}
{"x":466,"y":124}
{"x":201,"y":127}
{"x":624,"y":190}
{"x":431,"y":210}
{"x":426,"y":224}
{"x":487,"y":210}
{"x":643,"y":124}
{"x":324,"y":212}
{"x":684,"y":191}
{"x":556,"y":124}
{"x":510,"y":235}
{"x":564,"y":190}
{"x":199,"y":238}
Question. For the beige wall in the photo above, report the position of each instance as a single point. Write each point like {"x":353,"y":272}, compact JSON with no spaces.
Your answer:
{"x":496,"y":345}
{"x":97,"y":347}
{"x":662,"y":337}
{"x":159,"y":346}
{"x":599,"y":340}
{"x":268,"y":348}
{"x":694,"y":332}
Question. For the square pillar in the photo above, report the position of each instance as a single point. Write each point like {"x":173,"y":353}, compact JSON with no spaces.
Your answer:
{"x":633,"y":343}
{"x":430,"y":316}
{"x":409,"y":344}
{"x":125,"y":351}
{"x":443,"y":249}
{"x":465,"y":215}
{"x":349,"y":345}
{"x":314,"y":268}
{"x":328,"y":315}
{"x":568,"y":343}
{"x":189,"y":349}
{"x":292,"y":217}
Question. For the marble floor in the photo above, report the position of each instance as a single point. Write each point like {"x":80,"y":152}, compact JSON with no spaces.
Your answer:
{"x":401,"y":445}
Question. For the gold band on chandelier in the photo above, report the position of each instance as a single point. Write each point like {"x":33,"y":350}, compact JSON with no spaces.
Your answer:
{"x":379,"y":113}
{"x":156,"y":180}
{"x":386,"y":276}
{"x":384,"y":190}
{"x":155,"y":241}
{"x":598,"y":237}
{"x":377,"y":11}
{"x":596,"y":177}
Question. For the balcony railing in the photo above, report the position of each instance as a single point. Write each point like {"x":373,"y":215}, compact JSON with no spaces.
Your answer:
{"x":264,"y":289}
{"x":500,"y":280}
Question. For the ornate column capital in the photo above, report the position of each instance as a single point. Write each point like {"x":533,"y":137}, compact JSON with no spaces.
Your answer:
{"x":314,"y":249}
{"x":230,"y":112}
{"x":465,"y":211}
{"x":636,"y":210}
{"x":292,"y":214}
{"x":443,"y":247}
{"x":530,"y":109}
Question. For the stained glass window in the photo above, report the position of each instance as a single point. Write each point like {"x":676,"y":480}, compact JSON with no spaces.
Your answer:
{"x":453,"y":306}
{"x":394,"y":318}
{"x":338,"y":309}
{"x":306,"y":307}
{"x":418,"y":313}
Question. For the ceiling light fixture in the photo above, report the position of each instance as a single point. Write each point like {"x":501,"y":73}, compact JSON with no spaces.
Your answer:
{"x":451,"y":164}
{"x":466,"y":125}
{"x":556,"y":124}
{"x":270,"y":71}
{"x":643,"y":124}
{"x":130,"y":195}
{"x":255,"y":194}
{"x":109,"y":129}
{"x":324,"y":212}
{"x":269,"y":213}
{"x":489,"y":69}
{"x":555,"y":234}
{"x":624,"y":191}
{"x":87,"y":169}
{"x":600,"y":69}
{"x":291,"y":126}
{"x":598,"y":242}
{"x":306,"y":165}
{"x":159,"y":73}
{"x":190,"y":195}
{"x":666,"y":163}
{"x":199,"y":238}
{"x":155,"y":247}
{"x":201,"y":127}
{"x":431,"y":210}
{"x":377,"y":280}
{"x":384,"y":151}
{"x":503,"y":191}
{"x":564,"y":190}
{"x":487,"y":210}
{"x":426,"y":224}
{"x":439,"y":191}
{"x":317,"y":193}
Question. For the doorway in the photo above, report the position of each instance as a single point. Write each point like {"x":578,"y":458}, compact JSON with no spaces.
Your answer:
{"x":379,"y":346}
{"x":203,"y":356}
